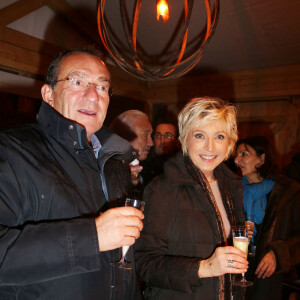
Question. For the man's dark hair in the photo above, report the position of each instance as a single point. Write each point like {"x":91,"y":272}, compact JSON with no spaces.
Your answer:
{"x":261,"y":145}
{"x":169,"y":118}
{"x":54,"y":68}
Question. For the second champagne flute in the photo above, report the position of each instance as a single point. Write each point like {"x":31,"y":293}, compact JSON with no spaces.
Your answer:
{"x":249,"y":222}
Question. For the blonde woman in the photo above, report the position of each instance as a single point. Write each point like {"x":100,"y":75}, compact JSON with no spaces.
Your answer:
{"x":190,"y":209}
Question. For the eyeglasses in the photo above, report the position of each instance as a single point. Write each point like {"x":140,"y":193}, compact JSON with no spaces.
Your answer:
{"x":167,"y":136}
{"x":81,"y":84}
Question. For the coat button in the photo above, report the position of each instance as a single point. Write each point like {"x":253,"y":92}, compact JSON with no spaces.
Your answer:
{"x":71,"y":127}
{"x":74,"y":143}
{"x":134,"y":153}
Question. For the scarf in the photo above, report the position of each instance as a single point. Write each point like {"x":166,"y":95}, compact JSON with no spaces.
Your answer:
{"x":255,"y":200}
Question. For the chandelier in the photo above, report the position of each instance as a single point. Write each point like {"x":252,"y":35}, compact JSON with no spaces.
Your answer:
{"x":156,"y":39}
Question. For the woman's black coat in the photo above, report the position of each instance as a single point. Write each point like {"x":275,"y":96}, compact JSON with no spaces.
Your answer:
{"x":180,"y":229}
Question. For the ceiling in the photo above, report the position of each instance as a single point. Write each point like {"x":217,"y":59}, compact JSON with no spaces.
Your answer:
{"x":250,"y":34}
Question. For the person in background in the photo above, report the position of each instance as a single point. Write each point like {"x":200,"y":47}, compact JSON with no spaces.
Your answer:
{"x":190,"y":209}
{"x":135,"y":127}
{"x":58,"y":237}
{"x":166,"y":144}
{"x":274,"y":201}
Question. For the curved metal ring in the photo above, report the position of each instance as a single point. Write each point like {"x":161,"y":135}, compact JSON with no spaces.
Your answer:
{"x":230,"y":263}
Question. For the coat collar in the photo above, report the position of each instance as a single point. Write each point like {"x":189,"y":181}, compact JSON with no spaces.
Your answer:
{"x":178,"y":173}
{"x":61,"y":129}
{"x":74,"y":136}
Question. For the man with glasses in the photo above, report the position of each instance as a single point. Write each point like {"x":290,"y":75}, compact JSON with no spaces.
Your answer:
{"x":166,"y":145}
{"x":59,"y":238}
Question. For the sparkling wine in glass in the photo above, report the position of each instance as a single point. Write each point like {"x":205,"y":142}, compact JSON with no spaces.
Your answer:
{"x":139,"y":205}
{"x":240,"y":241}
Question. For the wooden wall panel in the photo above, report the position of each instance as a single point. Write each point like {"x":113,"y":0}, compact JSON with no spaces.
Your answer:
{"x":277,"y":119}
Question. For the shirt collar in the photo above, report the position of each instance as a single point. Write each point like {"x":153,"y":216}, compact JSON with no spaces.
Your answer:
{"x":96,"y":145}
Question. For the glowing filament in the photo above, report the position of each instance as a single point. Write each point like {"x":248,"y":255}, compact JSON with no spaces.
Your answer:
{"x":162,"y":10}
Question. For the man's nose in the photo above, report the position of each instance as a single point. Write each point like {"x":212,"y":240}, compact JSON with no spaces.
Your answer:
{"x":163,"y":139}
{"x":91,"y":93}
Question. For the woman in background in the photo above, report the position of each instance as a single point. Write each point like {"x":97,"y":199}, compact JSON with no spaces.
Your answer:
{"x":274,"y":201}
{"x":190,"y":209}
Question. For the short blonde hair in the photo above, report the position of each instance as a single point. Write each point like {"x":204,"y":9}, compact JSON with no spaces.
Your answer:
{"x":201,"y":111}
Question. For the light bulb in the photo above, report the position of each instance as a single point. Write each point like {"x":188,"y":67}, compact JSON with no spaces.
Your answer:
{"x":162,"y":10}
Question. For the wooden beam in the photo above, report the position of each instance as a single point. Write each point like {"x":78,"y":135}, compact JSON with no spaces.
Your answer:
{"x":275,"y":82}
{"x":265,"y":118}
{"x":22,"y":40}
{"x":23,"y":61}
{"x":25,"y":55}
{"x":19,"y":9}
{"x":281,"y":81}
{"x":17,"y":85}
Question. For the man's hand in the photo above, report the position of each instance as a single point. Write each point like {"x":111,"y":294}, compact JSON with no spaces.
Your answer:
{"x":118,"y":227}
{"x":267,"y":265}
{"x":135,"y":170}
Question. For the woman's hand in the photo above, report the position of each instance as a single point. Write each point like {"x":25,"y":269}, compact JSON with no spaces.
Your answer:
{"x":219,"y":263}
{"x":267,"y":265}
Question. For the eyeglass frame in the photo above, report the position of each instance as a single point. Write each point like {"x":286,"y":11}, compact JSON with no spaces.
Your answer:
{"x":87,"y":85}
{"x":167,"y":136}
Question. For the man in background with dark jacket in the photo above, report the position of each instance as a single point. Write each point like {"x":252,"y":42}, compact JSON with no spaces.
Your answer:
{"x":166,"y":144}
{"x":59,"y":238}
{"x":135,"y":127}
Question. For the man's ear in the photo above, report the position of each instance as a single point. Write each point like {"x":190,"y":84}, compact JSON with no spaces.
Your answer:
{"x":47,"y":94}
{"x":262,"y":158}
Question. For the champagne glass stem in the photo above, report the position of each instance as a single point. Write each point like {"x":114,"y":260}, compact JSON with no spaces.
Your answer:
{"x":139,"y":205}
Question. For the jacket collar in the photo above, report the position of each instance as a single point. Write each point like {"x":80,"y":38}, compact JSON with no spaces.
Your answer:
{"x":73,"y":135}
{"x":61,"y":129}
{"x":178,"y":174}
{"x":114,"y":144}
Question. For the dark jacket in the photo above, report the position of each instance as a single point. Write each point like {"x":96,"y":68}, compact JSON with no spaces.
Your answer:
{"x":180,"y":229}
{"x":293,"y":169}
{"x":280,"y":232}
{"x":152,"y":166}
{"x":51,"y":188}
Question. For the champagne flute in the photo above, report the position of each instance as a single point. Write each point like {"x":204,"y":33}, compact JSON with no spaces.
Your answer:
{"x":240,"y":241}
{"x":139,"y":205}
{"x":249,"y":222}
